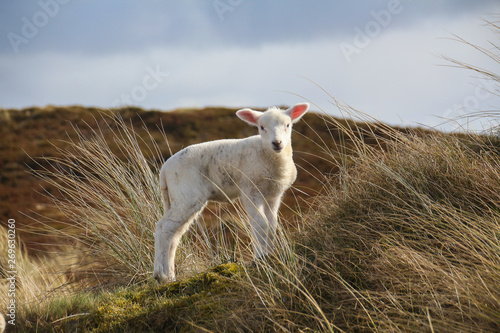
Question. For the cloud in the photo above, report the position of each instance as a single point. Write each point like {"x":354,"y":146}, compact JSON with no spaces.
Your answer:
{"x":96,"y":27}
{"x":402,"y":77}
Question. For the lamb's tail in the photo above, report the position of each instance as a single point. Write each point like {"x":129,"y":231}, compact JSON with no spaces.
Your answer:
{"x":164,"y":190}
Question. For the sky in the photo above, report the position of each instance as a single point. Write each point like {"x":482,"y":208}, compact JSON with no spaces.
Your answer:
{"x":382,"y":57}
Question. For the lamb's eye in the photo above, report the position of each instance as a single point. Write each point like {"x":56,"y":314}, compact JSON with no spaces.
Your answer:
{"x":287,"y":125}
{"x":262,"y":127}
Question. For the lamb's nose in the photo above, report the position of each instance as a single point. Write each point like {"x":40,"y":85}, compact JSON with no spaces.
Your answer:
{"x":277,"y":145}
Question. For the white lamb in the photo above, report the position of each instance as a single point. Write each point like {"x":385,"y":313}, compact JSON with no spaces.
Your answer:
{"x":257,"y":170}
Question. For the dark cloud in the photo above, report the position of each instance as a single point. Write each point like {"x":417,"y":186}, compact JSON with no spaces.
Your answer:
{"x":94,"y":26}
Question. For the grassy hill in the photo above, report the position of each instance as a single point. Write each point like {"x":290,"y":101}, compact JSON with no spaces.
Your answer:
{"x":390,"y":230}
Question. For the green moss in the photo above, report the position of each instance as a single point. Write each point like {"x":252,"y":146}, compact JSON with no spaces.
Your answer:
{"x":154,"y":307}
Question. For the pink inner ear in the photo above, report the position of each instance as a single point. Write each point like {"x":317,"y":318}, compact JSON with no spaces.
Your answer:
{"x":248,"y":116}
{"x":298,"y":111}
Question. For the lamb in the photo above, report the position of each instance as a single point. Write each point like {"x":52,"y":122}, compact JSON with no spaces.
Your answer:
{"x":257,"y":170}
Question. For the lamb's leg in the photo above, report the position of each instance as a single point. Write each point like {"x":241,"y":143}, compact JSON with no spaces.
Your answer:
{"x":169,"y":231}
{"x":165,"y":244}
{"x":271,"y":211}
{"x":259,"y":226}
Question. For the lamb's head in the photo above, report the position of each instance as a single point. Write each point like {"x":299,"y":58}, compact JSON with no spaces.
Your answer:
{"x":275,"y":125}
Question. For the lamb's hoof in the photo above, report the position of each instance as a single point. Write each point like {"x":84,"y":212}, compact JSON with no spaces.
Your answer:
{"x":163,"y":279}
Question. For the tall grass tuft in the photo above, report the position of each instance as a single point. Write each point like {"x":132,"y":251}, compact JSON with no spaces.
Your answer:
{"x":409,"y":240}
{"x":106,"y":185}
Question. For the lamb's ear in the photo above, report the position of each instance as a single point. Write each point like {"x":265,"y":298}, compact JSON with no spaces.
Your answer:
{"x":249,"y":116}
{"x":296,"y":112}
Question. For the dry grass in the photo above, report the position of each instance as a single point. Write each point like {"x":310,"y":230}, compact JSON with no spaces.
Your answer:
{"x":113,"y":204}
{"x":35,"y":278}
{"x":408,"y":239}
